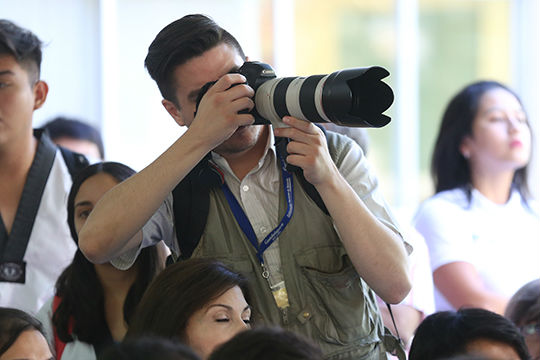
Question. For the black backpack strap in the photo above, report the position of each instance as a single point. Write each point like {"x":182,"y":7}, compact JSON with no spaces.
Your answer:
{"x":185,"y":200}
{"x":191,"y":200}
{"x":75,"y":162}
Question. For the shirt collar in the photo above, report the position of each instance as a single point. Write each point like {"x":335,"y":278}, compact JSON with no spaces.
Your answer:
{"x":514,"y":199}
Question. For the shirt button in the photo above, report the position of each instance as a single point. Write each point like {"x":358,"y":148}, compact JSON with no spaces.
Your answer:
{"x":245,"y":188}
{"x":263,"y":229}
{"x":306,"y":315}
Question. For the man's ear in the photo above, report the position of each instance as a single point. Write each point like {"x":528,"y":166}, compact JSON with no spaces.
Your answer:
{"x":41,"y":89}
{"x":173,"y":110}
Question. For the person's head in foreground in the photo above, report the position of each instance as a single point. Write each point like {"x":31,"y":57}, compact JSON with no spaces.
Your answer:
{"x":21,"y":337}
{"x":469,"y":331}
{"x":148,"y":348}
{"x":200,"y":302}
{"x":267,"y":343}
{"x":523,"y":309}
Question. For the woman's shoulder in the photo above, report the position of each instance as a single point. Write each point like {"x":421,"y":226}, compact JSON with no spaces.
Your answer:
{"x":436,"y":211}
{"x":45,"y":312}
{"x":529,"y":203}
{"x":449,"y":199}
{"x":44,"y":315}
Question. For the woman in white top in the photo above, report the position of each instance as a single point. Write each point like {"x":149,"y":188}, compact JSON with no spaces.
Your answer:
{"x":481,"y":227}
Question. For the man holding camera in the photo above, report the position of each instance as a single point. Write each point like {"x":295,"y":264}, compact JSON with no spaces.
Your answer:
{"x":309,"y":272}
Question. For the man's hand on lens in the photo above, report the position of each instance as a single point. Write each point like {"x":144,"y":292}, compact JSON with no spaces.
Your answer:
{"x":308,"y":150}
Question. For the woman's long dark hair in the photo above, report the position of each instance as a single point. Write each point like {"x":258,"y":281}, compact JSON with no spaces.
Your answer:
{"x":178,"y":292}
{"x":80,"y":290}
{"x":449,"y":168}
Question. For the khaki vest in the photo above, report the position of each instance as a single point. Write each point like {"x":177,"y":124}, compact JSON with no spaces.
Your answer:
{"x":329,"y":302}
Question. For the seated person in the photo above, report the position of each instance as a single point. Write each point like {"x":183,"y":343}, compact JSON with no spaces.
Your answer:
{"x":76,"y":136}
{"x":200,"y":302}
{"x":470,"y":331}
{"x":267,"y":343}
{"x":524,"y":311}
{"x":148,"y":348}
{"x":21,"y":336}
{"x":481,"y":226}
{"x":94,"y":303}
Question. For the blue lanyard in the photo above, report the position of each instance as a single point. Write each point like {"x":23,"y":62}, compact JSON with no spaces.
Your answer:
{"x":244,"y":223}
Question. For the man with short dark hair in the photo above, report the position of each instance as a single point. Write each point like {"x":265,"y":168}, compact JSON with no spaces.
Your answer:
{"x":467,"y":331}
{"x":309,"y":272}
{"x":77,"y":136}
{"x":35,"y":242}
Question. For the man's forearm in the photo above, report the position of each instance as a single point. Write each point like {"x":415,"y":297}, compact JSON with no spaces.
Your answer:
{"x":377,"y":253}
{"x":111,"y":227}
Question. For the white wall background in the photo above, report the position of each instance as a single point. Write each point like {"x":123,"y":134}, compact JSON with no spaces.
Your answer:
{"x":94,"y":63}
{"x":135,"y":118}
{"x":71,"y":55}
{"x":95,"y":51}
{"x":525,"y":58}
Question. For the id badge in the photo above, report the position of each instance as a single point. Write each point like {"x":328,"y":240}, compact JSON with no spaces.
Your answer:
{"x":280,"y":295}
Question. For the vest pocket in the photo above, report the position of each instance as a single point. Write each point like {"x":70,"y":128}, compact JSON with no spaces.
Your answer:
{"x":340,"y":300}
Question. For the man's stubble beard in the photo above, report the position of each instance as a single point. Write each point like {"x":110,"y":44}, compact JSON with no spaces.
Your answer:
{"x":243,"y":139}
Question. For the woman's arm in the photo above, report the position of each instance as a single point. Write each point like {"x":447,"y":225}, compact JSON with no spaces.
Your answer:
{"x":462,"y":286}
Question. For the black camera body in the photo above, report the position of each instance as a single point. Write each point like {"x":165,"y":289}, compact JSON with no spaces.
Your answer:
{"x":352,"y":97}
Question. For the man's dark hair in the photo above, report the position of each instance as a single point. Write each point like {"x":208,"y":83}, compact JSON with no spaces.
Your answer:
{"x":267,"y":343}
{"x":63,"y":127}
{"x":179,"y":42}
{"x":13,"y":322}
{"x":23,"y":45}
{"x":448,"y":333}
{"x":524,"y":306}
